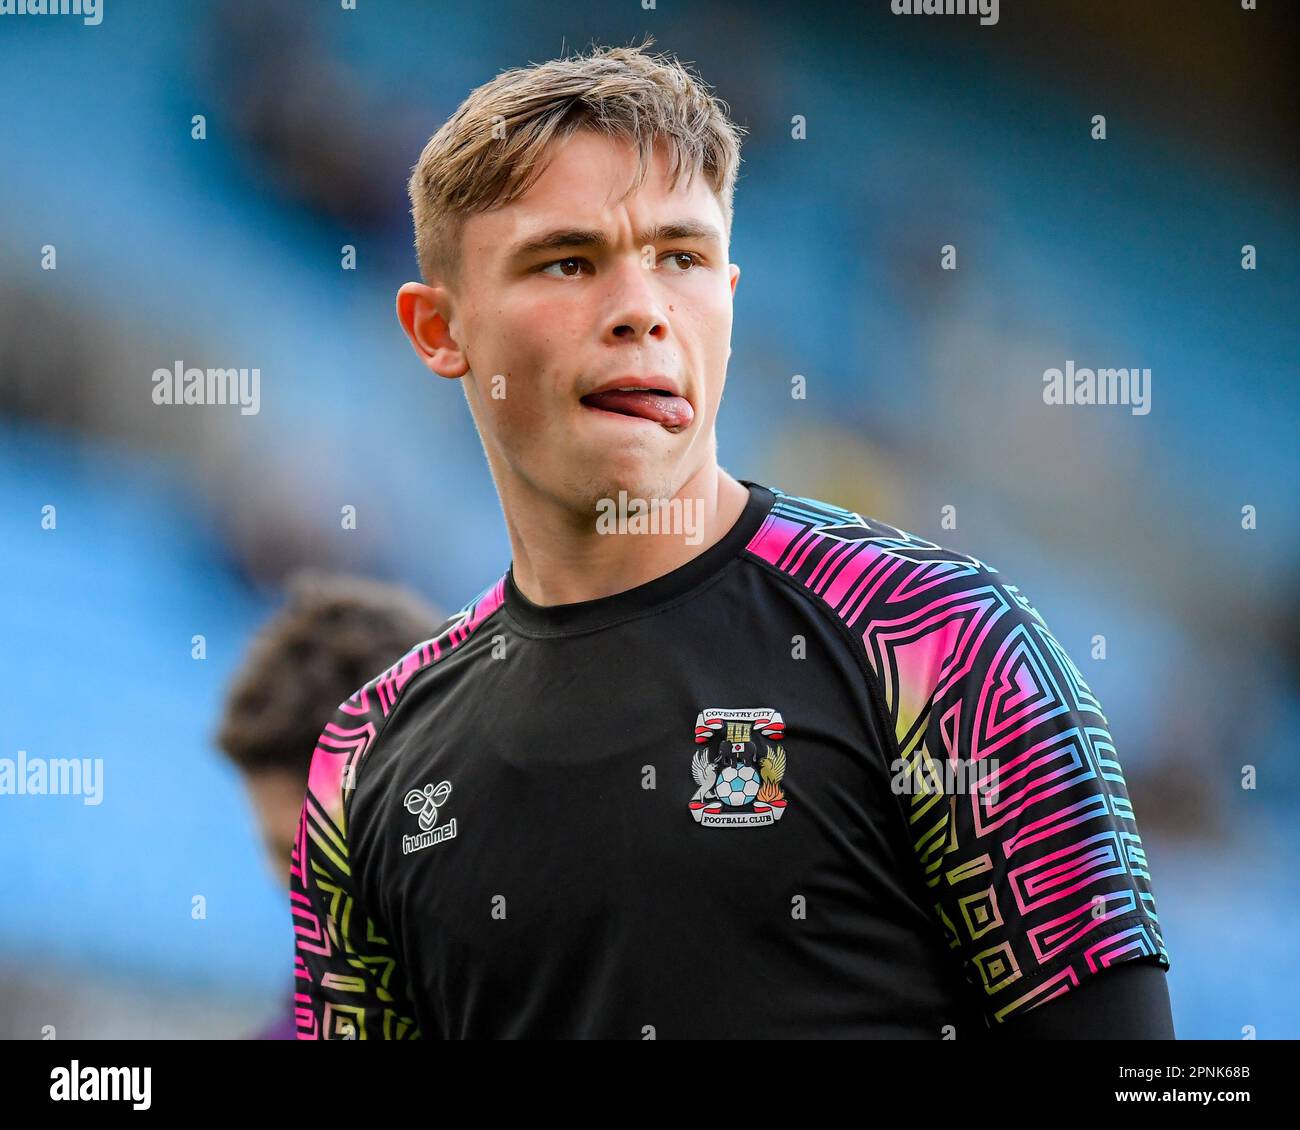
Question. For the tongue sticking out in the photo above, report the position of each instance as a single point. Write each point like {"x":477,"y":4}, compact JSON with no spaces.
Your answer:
{"x":670,"y":411}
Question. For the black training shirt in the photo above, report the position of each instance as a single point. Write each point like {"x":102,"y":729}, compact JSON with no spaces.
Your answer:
{"x":825,"y":780}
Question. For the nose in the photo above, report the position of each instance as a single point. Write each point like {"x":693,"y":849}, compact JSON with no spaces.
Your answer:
{"x":638,"y":310}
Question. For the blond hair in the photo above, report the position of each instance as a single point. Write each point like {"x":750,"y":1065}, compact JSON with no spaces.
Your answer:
{"x":491,"y":150}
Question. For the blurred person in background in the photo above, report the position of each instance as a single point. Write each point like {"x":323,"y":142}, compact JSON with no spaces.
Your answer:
{"x":332,"y":635}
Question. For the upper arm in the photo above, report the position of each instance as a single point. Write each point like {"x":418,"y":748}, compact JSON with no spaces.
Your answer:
{"x":1034,"y":861}
{"x":1129,"y":1001}
{"x":348,"y":981}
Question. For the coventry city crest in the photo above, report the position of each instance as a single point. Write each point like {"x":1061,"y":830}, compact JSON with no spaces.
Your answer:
{"x":738,"y":768}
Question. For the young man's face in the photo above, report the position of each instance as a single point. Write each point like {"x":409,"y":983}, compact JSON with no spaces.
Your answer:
{"x":544,"y":329}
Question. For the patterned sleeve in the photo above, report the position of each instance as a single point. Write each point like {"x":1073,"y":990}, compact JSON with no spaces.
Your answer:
{"x":348,"y":984}
{"x":1031,"y":852}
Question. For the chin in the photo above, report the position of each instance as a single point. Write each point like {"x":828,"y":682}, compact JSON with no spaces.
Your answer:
{"x":639,"y":481}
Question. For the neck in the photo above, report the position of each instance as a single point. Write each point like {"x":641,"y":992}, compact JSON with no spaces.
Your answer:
{"x":560,"y":558}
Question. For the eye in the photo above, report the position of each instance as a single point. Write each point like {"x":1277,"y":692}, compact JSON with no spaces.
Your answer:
{"x":546,"y":269}
{"x":694,"y":259}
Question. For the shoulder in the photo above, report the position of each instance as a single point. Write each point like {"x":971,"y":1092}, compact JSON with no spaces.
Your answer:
{"x":854,"y":562}
{"x":928,"y":616}
{"x":357,"y":722}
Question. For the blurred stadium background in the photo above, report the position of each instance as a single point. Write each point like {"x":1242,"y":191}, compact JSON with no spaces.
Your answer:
{"x":925,"y":391}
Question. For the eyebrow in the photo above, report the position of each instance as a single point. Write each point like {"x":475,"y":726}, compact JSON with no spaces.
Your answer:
{"x":588,"y":237}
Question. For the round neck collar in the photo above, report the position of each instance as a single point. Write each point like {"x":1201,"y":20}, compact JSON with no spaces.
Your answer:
{"x":584,"y":615}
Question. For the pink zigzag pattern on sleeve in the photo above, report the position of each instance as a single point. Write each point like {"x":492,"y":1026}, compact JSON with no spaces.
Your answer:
{"x":1042,"y":880}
